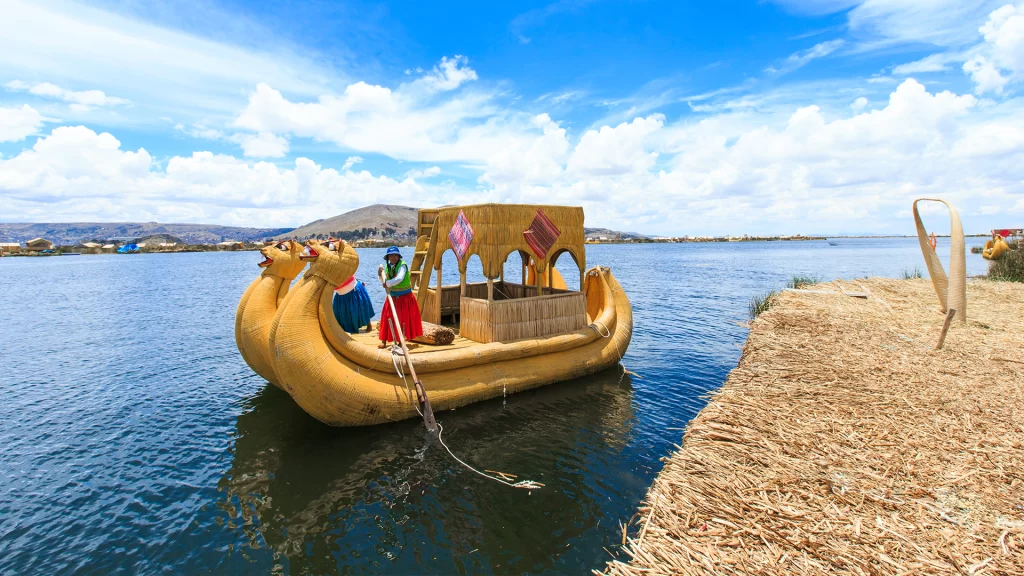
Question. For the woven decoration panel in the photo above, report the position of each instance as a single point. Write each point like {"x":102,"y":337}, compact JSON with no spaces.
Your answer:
{"x":541,"y":234}
{"x":461,"y":235}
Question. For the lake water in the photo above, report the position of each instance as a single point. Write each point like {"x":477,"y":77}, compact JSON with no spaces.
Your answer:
{"x":134,"y":438}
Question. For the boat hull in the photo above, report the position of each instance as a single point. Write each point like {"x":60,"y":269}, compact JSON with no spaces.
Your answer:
{"x":346,"y":383}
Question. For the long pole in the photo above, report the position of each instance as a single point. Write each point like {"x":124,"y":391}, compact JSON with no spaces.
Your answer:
{"x":421,"y":393}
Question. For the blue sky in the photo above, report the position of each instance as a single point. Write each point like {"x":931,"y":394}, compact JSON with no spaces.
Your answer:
{"x":813,"y":116}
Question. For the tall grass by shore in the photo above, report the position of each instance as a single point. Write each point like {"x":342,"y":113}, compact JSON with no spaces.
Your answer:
{"x":1009,"y":268}
{"x":798,"y":282}
{"x":912,"y":274}
{"x":761,"y":303}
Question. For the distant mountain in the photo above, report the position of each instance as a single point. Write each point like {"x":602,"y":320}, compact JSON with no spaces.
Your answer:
{"x":379,"y":221}
{"x":595,"y":233}
{"x":77,"y":232}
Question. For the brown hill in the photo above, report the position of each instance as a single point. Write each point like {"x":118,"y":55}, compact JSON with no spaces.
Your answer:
{"x":379,"y":221}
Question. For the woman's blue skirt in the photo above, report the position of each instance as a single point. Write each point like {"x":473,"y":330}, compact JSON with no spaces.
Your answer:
{"x":353,"y":310}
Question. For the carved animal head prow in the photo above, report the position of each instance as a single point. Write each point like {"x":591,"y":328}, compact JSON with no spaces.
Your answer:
{"x":334,"y":260}
{"x":281,"y":259}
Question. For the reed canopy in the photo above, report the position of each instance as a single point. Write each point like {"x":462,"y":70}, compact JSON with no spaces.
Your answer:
{"x":499,"y":230}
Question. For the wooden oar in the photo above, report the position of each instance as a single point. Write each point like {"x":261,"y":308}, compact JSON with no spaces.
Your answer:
{"x":421,"y":393}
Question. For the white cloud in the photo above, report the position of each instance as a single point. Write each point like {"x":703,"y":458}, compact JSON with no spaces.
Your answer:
{"x":428,"y":173}
{"x":816,"y":168}
{"x":1002,"y":50}
{"x":199,"y":130}
{"x":613,"y":151}
{"x":812,"y":174}
{"x":932,"y":63}
{"x":985,"y":75}
{"x":560,"y":98}
{"x":449,"y":74}
{"x":351,"y":161}
{"x":75,"y":173}
{"x":1004,"y":31}
{"x":80,"y":101}
{"x":804,"y":57}
{"x":526,"y":160}
{"x":16,"y":124}
{"x":411,"y":122}
{"x":262,"y":145}
{"x":936,"y":22}
{"x":163,"y":71}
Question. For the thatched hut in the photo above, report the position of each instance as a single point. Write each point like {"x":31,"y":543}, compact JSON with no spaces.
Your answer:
{"x":89,"y":248}
{"x":10,"y":248}
{"x":38,"y":245}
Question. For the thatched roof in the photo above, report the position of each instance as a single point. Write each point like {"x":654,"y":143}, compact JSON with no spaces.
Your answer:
{"x":38,"y":242}
{"x":498,"y":232}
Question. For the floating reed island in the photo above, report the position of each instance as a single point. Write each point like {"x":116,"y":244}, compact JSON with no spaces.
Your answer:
{"x":846,"y":443}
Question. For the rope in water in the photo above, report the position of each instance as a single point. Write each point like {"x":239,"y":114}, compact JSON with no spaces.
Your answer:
{"x":527,"y":484}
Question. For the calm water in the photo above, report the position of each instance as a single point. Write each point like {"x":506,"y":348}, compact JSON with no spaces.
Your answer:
{"x":133,"y":438}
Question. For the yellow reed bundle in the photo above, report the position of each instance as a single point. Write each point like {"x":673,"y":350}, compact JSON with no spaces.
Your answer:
{"x":951,"y":290}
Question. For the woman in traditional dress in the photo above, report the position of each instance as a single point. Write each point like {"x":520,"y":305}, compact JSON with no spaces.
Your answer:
{"x":352,"y":306}
{"x":398,"y":282}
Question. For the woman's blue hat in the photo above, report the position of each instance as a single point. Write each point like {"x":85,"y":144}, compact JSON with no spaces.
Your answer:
{"x":392,"y":250}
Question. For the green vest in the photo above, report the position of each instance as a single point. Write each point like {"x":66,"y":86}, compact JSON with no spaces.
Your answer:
{"x":390,"y":272}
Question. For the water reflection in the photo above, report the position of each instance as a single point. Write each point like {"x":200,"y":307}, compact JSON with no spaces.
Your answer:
{"x":385,"y":498}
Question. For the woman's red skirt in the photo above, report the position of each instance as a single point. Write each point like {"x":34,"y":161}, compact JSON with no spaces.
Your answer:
{"x":408,"y":318}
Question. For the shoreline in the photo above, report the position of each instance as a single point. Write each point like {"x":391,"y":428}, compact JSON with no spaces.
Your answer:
{"x":843,"y":442}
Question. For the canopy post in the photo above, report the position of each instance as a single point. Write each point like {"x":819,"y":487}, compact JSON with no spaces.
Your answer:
{"x":438,"y":294}
{"x":490,"y":290}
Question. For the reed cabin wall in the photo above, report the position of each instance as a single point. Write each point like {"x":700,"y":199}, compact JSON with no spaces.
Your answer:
{"x":514,"y":311}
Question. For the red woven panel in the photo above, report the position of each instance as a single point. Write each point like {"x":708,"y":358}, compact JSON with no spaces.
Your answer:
{"x":461,"y":235}
{"x":541,"y":234}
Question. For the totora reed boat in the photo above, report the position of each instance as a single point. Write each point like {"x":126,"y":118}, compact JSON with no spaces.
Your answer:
{"x":512,"y":336}
{"x":282,"y":262}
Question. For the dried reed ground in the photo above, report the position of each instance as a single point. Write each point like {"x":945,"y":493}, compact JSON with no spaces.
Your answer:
{"x":844,"y":443}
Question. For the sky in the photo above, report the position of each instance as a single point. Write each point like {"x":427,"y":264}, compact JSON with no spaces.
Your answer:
{"x":665,"y":118}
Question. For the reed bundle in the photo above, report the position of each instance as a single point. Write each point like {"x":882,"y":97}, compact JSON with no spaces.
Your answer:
{"x":435,"y":335}
{"x":843,"y":443}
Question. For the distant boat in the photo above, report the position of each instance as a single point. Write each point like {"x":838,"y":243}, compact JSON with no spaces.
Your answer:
{"x":833,"y":243}
{"x":128,"y":249}
{"x":71,"y":253}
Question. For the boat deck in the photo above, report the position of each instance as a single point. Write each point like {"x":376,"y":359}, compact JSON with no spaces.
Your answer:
{"x":371,"y":339}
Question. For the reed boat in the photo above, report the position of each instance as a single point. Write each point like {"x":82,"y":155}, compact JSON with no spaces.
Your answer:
{"x":282,"y":262}
{"x":511,"y":336}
